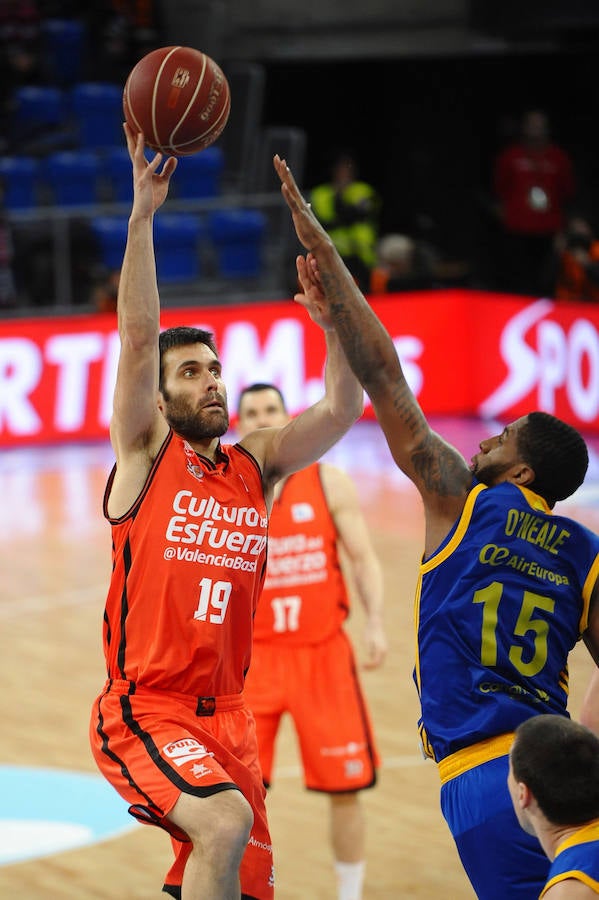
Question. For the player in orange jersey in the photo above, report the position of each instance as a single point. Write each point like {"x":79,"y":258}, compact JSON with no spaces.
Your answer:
{"x":170,"y":729}
{"x":303,"y":662}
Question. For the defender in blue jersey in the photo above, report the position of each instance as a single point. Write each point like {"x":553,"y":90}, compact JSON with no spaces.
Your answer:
{"x":506,"y":587}
{"x":554,"y":786}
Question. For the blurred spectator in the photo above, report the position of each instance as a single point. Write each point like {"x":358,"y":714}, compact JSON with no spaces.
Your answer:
{"x":577,"y":262}
{"x":20,"y":42}
{"x":533,"y":184}
{"x":403,"y":264}
{"x":8,"y":293}
{"x":349,"y":210}
{"x":126,"y":30}
{"x":415,"y":263}
{"x":20,"y":56}
{"x":104,"y":293}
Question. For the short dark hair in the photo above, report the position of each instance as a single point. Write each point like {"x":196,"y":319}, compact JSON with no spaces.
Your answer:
{"x":557,"y":453}
{"x":182,"y":336}
{"x":558,"y":760}
{"x":256,"y":388}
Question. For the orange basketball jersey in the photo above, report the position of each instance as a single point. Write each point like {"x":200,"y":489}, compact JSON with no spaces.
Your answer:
{"x":304,"y":599}
{"x":188,"y":567}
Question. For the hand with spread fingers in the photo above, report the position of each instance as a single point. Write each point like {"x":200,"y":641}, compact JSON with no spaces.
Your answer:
{"x":150,"y":186}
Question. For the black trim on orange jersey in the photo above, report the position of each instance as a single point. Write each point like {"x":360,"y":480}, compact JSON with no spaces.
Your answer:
{"x":249,"y":456}
{"x":154,"y":754}
{"x":174,"y":890}
{"x":367,"y":734}
{"x":221,"y":455}
{"x":119,"y":762}
{"x":108,"y":631}
{"x":365,"y":720}
{"x":132,"y":511}
{"x":124,"y":612}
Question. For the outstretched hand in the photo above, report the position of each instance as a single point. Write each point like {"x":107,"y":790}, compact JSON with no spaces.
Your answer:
{"x":312,"y":235}
{"x":312,"y":297}
{"x":150,"y":187}
{"x":308,"y":229}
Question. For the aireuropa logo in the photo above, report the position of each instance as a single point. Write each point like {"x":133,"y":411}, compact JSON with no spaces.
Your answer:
{"x":47,"y":811}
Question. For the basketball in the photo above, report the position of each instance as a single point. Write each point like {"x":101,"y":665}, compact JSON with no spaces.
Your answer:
{"x":179,"y":98}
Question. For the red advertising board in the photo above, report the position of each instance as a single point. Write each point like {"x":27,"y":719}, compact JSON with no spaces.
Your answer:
{"x":463,"y":352}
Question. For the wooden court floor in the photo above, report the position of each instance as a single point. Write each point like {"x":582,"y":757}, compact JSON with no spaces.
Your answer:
{"x":55,"y":563}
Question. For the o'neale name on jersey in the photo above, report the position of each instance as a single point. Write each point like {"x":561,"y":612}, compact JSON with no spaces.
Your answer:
{"x":181,"y":530}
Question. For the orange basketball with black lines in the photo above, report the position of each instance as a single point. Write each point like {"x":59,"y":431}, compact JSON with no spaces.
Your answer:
{"x":179,"y":98}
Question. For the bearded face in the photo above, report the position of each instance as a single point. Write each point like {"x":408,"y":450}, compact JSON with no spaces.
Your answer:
{"x":499,"y":458}
{"x":193,"y":395}
{"x":193,"y":422}
{"x":490,"y":472}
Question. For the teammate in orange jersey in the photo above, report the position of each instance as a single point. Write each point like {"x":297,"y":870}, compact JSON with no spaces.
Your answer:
{"x":170,"y":729}
{"x":303,"y":663}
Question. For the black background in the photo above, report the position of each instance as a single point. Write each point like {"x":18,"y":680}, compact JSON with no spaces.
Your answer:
{"x":425,"y":131}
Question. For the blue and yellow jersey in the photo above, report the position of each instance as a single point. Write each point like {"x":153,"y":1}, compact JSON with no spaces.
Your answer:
{"x":577,"y":857}
{"x":499,"y":606}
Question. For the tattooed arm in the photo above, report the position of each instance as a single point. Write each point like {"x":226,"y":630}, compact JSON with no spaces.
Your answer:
{"x":437,"y":469}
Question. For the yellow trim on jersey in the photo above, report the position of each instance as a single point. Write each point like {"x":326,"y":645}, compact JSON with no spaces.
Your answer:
{"x":437,"y":558}
{"x":416,"y":620}
{"x":535,"y":500}
{"x":587,"y":590}
{"x":588,"y":832}
{"x":469,"y":757}
{"x":573,"y":874}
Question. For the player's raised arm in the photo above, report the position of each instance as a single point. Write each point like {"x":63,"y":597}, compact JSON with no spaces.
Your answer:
{"x":310,"y":434}
{"x":437,"y":469}
{"x":135,"y":414}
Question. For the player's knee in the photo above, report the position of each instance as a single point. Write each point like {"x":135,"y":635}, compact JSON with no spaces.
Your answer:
{"x":217,"y":826}
{"x":222,"y":823}
{"x":235,"y":822}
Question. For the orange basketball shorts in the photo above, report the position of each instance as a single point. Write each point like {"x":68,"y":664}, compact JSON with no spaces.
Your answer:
{"x":318,"y":686}
{"x":153,"y":745}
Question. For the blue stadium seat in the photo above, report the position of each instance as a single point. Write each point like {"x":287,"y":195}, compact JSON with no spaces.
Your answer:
{"x":177,"y":242}
{"x":117,"y":171}
{"x":199,"y":176}
{"x":98,"y":110}
{"x":63,"y":48}
{"x":20,"y":177}
{"x":110,"y":233}
{"x":73,"y":177}
{"x":38,"y":105}
{"x":238,"y":237}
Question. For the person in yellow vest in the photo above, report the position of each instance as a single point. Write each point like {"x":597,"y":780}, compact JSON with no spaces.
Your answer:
{"x":349,"y":210}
